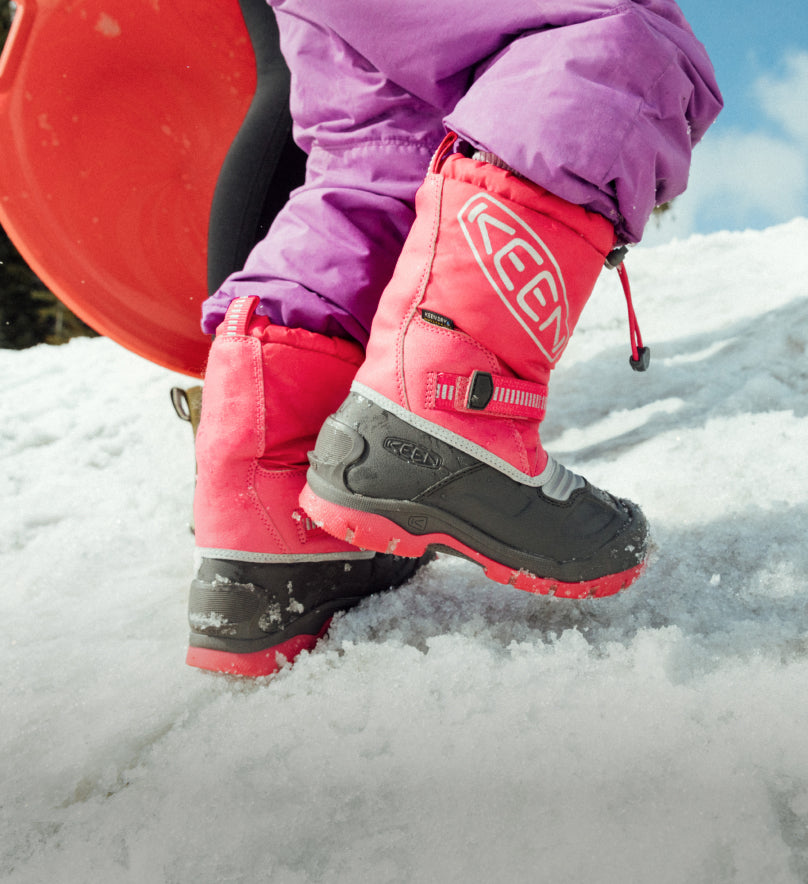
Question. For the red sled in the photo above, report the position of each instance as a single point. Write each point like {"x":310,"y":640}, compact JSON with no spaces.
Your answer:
{"x":144,"y":148}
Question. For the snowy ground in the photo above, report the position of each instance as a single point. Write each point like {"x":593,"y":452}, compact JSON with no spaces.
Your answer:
{"x":454,"y":730}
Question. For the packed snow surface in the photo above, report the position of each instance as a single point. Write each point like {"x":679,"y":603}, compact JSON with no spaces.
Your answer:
{"x":454,"y":730}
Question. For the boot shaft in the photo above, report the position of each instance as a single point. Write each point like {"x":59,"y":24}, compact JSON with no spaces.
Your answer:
{"x":486,"y":294}
{"x":267,"y":391}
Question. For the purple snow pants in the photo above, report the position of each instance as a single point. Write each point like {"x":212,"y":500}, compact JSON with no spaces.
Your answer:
{"x":598,"y":101}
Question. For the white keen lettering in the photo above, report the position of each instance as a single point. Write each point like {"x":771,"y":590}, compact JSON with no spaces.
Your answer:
{"x":521,"y":270}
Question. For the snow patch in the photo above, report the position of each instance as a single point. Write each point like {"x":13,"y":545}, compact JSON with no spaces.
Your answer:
{"x":452,"y":730}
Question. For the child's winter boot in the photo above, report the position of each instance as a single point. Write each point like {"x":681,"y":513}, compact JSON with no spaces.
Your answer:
{"x":438,"y":443}
{"x":268,"y":580}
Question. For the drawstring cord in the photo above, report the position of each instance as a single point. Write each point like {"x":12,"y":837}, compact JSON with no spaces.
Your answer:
{"x":640,"y":356}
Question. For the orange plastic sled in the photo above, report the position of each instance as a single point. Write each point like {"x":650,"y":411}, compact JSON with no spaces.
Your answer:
{"x":115,"y":119}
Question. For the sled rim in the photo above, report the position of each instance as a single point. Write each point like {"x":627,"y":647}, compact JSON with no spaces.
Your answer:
{"x":112,"y":133}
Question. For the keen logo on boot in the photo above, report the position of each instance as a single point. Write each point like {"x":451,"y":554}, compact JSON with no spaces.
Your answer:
{"x":520,"y":269}
{"x":412,"y":453}
{"x":419,"y":524}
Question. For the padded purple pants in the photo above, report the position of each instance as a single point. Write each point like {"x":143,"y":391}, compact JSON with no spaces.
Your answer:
{"x":598,"y":101}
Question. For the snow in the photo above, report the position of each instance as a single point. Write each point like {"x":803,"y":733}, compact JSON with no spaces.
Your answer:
{"x":454,"y":730}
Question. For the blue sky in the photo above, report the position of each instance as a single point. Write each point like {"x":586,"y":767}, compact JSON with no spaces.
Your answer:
{"x":751,"y":170}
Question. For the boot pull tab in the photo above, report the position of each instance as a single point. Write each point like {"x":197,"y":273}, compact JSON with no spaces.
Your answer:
{"x":640,"y":357}
{"x":238,"y":316}
{"x":443,"y":151}
{"x":188,"y":404}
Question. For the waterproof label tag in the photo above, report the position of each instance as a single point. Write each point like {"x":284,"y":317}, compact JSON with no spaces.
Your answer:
{"x":437,"y":319}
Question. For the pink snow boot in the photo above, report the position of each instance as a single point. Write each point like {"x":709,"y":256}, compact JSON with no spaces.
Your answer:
{"x":438,"y":443}
{"x":268,"y":580}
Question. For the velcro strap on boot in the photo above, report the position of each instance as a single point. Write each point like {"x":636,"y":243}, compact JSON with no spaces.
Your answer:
{"x":484,"y":393}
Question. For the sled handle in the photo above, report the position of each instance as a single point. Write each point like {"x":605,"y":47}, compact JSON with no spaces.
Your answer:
{"x":21,"y":26}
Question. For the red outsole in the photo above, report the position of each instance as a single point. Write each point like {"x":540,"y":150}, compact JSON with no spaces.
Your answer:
{"x":371,"y":531}
{"x":256,"y":663}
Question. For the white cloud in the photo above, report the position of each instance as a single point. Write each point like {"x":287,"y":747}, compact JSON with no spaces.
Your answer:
{"x":750,"y":178}
{"x":745,"y":172}
{"x":785,"y":99}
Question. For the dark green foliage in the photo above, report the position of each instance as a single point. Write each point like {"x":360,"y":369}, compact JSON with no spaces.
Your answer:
{"x":29,"y":313}
{"x":5,"y":19}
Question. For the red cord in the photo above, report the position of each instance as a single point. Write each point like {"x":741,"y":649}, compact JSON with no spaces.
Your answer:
{"x":633,"y":325}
